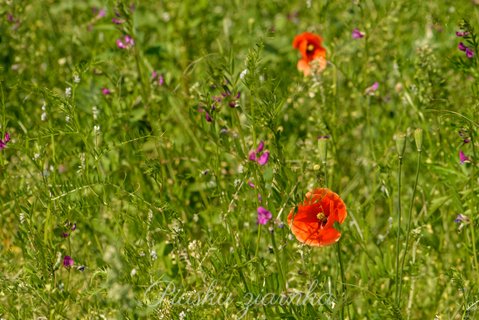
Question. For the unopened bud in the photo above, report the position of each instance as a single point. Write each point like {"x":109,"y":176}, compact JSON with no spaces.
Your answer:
{"x":418,"y":138}
{"x":400,"y":144}
{"x":323,"y":148}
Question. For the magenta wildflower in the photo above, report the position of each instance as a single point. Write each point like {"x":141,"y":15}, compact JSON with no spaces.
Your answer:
{"x":129,"y":40}
{"x":101,"y":13}
{"x":461,"y":46}
{"x":469,"y":53}
{"x":462,"y":33}
{"x":126,"y":43}
{"x":463,"y":158}
{"x":251,"y":184}
{"x":68,"y":262}
{"x":158,"y":77}
{"x":263,"y":215}
{"x":258,"y":155}
{"x":370,"y":90}
{"x":263,"y":159}
{"x":356,"y":34}
{"x":6,"y":139}
{"x":105,"y":91}
{"x":260,"y":147}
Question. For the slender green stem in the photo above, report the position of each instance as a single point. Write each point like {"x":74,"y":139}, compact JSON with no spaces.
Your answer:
{"x":398,"y":232}
{"x":343,"y":283}
{"x":257,"y":241}
{"x":474,"y":254}
{"x":408,"y":230}
{"x":279,"y":261}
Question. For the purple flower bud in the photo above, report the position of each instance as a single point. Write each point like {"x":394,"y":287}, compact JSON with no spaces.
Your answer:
{"x":208,"y":117}
{"x":161,"y":80}
{"x":372,"y":88}
{"x":461,"y":46}
{"x":120,"y":44}
{"x":68,"y":262}
{"x":105,"y":91}
{"x":260,"y":147}
{"x":469,"y":53}
{"x":232,"y":104}
{"x":252,"y":156}
{"x":263,"y":216}
{"x":101,"y":13}
{"x":251,"y":184}
{"x":264,"y":158}
{"x":462,"y":33}
{"x":462,"y":218}
{"x":463,"y":158}
{"x":356,"y":34}
{"x":7,"y":137}
{"x":129,"y":40}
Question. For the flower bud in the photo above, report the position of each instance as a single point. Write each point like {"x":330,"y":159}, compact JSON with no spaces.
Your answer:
{"x":400,"y":144}
{"x":418,"y":138}
{"x":323,"y":148}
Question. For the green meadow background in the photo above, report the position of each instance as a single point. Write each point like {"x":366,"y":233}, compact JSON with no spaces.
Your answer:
{"x":160,"y":198}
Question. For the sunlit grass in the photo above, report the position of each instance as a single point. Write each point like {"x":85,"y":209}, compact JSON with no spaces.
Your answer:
{"x":131,"y":127}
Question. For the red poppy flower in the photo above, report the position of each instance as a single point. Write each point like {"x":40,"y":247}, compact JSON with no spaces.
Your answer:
{"x":309,"y":44}
{"x":313,"y":224}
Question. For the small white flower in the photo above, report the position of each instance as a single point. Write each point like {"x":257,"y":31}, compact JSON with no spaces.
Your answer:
{"x":96,"y":129}
{"x":153,"y":255}
{"x":133,"y":272}
{"x":44,"y":116}
{"x":76,"y":78}
{"x":67,"y":118}
{"x":95,"y":112}
{"x":182,"y":315}
{"x":165,"y":16}
{"x":243,"y":73}
{"x":36,"y":156}
{"x":68,"y":92}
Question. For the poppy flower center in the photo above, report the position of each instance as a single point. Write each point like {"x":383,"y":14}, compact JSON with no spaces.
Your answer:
{"x":310,"y":48}
{"x":322,"y":217}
